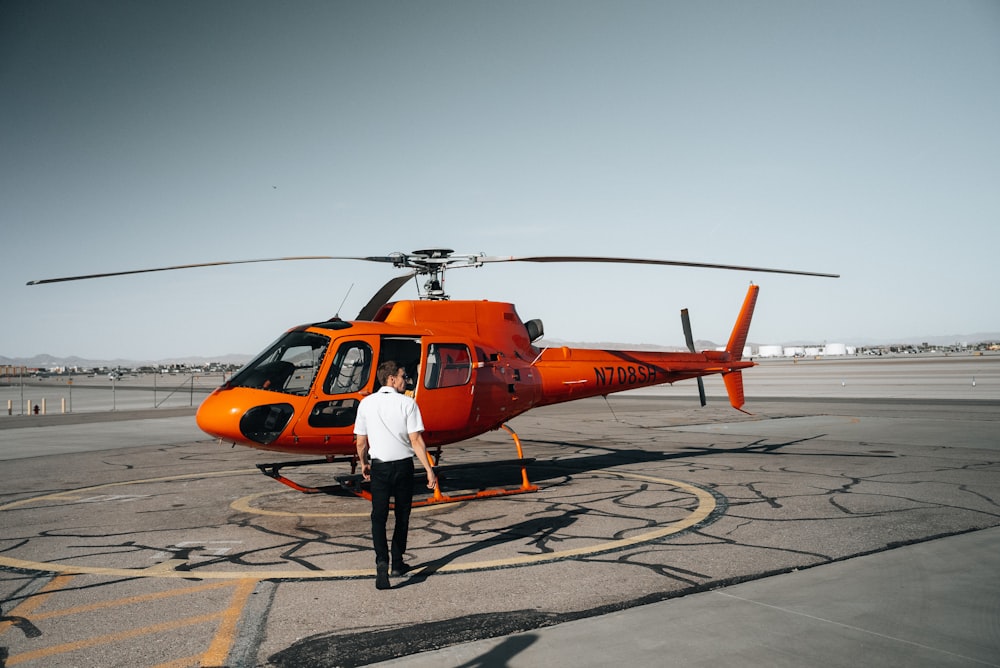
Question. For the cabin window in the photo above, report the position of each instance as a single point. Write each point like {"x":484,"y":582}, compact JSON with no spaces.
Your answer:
{"x":350,"y":369}
{"x":288,"y":366}
{"x":448,"y":365}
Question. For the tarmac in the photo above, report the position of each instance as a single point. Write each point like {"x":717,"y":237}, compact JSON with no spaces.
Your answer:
{"x":929,"y":604}
{"x":836,"y":531}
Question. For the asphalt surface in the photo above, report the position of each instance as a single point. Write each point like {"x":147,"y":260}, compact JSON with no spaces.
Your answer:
{"x":819,"y":531}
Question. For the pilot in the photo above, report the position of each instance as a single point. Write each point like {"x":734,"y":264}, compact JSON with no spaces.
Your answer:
{"x":389,"y":430}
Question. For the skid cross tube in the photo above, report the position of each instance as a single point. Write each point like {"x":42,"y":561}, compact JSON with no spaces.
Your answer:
{"x":274,"y":471}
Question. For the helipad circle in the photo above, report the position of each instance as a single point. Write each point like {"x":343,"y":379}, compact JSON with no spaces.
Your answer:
{"x":706,"y":504}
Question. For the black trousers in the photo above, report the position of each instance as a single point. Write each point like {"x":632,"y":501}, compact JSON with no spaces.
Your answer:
{"x":391,"y":479}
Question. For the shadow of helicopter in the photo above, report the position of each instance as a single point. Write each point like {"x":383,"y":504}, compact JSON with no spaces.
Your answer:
{"x":492,"y":474}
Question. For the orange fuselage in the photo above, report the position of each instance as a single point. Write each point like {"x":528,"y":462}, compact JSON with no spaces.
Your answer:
{"x":472,"y":364}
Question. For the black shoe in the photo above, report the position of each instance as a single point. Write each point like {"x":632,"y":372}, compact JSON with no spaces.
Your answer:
{"x":382,"y":576}
{"x":400,"y":569}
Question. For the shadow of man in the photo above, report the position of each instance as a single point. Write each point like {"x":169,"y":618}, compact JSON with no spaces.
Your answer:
{"x":540,"y":528}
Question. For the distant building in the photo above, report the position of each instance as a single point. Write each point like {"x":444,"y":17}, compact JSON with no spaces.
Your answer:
{"x":827,"y":350}
{"x":9,"y":371}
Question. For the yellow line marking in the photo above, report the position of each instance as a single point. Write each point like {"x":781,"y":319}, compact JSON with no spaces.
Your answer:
{"x":706,"y":505}
{"x":226,"y":635}
{"x":110,"y":638}
{"x":164,"y":566}
{"x":30,"y":604}
{"x":215,"y":655}
{"x":52,"y":567}
{"x":131,"y":600}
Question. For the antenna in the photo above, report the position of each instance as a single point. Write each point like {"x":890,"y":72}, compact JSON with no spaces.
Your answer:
{"x":337,"y":316}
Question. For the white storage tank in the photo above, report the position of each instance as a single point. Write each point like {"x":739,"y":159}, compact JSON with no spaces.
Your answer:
{"x":834,"y":349}
{"x":770,"y":351}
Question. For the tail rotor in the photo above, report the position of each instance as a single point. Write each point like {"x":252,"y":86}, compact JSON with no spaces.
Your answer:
{"x":689,"y":338}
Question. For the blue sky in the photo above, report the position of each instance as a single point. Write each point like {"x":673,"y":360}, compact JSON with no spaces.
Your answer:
{"x":858,"y":138}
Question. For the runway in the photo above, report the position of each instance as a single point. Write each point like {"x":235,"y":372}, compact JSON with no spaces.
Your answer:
{"x":816,"y":531}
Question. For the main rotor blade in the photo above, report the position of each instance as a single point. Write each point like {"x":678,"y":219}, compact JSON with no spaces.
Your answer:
{"x":209,"y":264}
{"x":672,"y":263}
{"x":383,"y":296}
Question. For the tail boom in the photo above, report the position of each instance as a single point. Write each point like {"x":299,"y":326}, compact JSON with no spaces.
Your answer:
{"x":575,"y":373}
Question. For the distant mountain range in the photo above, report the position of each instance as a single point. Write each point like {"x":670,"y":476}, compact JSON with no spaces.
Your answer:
{"x":49,"y":361}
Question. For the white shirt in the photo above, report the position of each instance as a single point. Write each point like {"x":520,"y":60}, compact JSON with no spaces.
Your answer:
{"x":388,"y":418}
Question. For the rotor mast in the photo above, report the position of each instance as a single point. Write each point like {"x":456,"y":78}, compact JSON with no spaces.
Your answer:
{"x":432,"y":263}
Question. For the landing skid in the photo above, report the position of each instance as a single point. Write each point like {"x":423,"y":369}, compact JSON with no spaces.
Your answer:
{"x":274,"y":471}
{"x":352,"y":483}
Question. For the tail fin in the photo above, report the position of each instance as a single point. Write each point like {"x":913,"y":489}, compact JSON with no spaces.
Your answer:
{"x":738,"y":339}
{"x":737,"y":342}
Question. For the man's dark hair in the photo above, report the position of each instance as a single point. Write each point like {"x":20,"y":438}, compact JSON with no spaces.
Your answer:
{"x":387,"y":370}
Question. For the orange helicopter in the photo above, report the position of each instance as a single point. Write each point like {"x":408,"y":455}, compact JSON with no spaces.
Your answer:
{"x":471,"y":366}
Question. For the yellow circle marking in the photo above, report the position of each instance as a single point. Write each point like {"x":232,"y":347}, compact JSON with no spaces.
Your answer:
{"x":706,"y":505}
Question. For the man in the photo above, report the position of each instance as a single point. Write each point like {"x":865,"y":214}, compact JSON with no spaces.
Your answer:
{"x":389,"y":431}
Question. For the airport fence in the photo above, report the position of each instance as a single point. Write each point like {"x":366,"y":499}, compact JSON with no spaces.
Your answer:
{"x":91,"y":393}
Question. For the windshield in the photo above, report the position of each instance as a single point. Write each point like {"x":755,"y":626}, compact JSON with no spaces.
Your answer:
{"x":288,"y":366}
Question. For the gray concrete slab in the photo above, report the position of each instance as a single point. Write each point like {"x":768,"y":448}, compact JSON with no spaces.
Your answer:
{"x":931,"y":604}
{"x":61,"y":435}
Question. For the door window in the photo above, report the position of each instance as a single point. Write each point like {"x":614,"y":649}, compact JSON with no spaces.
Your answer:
{"x":350,"y":369}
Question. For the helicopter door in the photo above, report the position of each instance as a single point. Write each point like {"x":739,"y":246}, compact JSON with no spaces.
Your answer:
{"x":447,"y":386}
{"x":344,"y":383}
{"x":405,"y":351}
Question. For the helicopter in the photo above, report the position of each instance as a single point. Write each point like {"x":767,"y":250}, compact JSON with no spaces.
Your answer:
{"x":471,"y":366}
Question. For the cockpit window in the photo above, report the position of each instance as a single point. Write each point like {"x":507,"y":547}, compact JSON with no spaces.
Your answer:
{"x":350,"y":369}
{"x":288,"y":366}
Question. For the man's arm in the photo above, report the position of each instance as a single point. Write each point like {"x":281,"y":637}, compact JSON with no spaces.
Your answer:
{"x":366,"y":464}
{"x":420,"y":450}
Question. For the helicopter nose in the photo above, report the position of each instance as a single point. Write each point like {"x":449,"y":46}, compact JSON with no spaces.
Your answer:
{"x":243,"y":416}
